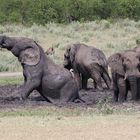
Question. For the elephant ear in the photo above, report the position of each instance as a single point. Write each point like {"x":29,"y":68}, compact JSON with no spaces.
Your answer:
{"x":30,"y":56}
{"x":116,"y":63}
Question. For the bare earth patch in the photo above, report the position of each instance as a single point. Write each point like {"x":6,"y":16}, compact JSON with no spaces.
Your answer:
{"x":94,"y":99}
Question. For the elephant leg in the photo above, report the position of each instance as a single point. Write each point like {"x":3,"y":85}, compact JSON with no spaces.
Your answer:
{"x":28,"y":87}
{"x":39,"y":89}
{"x":107,"y":79}
{"x":133,"y":86}
{"x":122,"y":89}
{"x":115,"y":87}
{"x":97,"y":78}
{"x":127,"y":89}
{"x":138,"y":83}
{"x":84,"y":82}
{"x":69,"y":92}
{"x":31,"y":82}
{"x":116,"y":95}
{"x":126,"y":94}
{"x":116,"y":92}
{"x":94,"y":84}
{"x":78,"y":79}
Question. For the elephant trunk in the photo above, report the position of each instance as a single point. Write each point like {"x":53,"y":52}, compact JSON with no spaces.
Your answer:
{"x":133,"y":86}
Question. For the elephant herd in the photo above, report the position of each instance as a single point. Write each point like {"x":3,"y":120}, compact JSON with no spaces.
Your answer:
{"x":58,"y":85}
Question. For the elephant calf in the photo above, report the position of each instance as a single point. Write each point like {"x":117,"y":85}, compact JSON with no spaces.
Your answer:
{"x":87,"y":62}
{"x":125,"y":74}
{"x":54,"y":83}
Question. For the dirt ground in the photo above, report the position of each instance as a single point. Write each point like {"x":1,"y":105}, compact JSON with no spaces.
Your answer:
{"x":92,"y":97}
{"x":93,"y":127}
{"x":8,"y":99}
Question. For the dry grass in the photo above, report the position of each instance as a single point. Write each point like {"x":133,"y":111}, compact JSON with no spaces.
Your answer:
{"x":72,"y":128}
{"x":107,"y":36}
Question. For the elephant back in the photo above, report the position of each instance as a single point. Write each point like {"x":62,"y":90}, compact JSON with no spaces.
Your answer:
{"x":99,"y":57}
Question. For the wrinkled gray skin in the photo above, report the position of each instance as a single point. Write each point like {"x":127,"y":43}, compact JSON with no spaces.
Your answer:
{"x":137,"y":49}
{"x":54,"y":83}
{"x":125,"y":74}
{"x":87,"y":62}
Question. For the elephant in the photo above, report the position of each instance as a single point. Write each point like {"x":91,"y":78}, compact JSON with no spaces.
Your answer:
{"x":87,"y":62}
{"x":125,"y":73}
{"x":53,"y":82}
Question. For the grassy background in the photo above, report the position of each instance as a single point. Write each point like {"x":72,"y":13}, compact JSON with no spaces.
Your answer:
{"x":16,"y":80}
{"x":108,"y":36}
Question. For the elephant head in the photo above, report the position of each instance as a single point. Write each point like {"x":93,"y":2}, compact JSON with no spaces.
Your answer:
{"x":125,"y":64}
{"x":25,"y":49}
{"x":69,"y":55}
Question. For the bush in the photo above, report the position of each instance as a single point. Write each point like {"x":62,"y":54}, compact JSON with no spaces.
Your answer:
{"x":62,"y":11}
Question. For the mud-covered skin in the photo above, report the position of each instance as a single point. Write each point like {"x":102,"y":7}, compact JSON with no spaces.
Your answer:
{"x":53,"y":82}
{"x":87,"y":62}
{"x":125,"y":74}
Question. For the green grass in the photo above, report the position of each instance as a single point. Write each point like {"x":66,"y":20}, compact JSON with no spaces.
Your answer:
{"x":71,"y":111}
{"x":8,"y":62}
{"x":11,"y":80}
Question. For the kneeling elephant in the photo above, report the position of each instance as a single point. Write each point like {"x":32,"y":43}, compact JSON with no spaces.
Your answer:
{"x":54,"y":83}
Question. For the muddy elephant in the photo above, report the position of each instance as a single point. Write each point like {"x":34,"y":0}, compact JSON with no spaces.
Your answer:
{"x":54,"y":83}
{"x":125,"y":74}
{"x":87,"y":62}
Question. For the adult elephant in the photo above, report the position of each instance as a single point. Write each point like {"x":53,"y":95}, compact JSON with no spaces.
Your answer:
{"x":125,"y":74}
{"x":54,"y":83}
{"x":87,"y":62}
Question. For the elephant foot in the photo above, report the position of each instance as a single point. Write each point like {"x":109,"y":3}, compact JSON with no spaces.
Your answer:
{"x":86,"y":89}
{"x":79,"y":100}
{"x":122,"y":101}
{"x":134,"y":99}
{"x":115,"y":100}
{"x":23,"y":97}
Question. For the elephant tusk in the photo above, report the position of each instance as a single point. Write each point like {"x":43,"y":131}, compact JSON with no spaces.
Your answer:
{"x":125,"y":77}
{"x":72,"y":72}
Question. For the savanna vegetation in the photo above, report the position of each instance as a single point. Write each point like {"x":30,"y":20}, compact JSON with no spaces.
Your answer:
{"x":63,"y":11}
{"x":108,"y":36}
